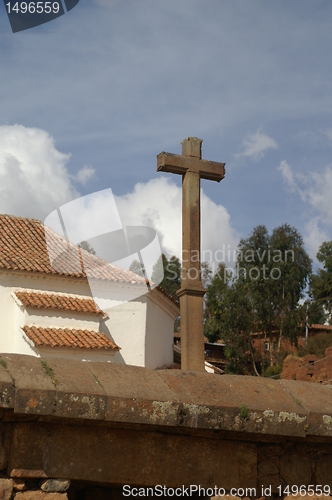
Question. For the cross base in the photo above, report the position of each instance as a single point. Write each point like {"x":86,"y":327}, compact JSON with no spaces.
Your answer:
{"x":192,"y":338}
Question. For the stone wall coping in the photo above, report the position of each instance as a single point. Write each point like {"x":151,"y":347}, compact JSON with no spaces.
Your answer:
{"x":114,"y":393}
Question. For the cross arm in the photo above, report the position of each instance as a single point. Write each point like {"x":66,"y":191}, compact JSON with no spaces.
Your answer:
{"x":177,"y":164}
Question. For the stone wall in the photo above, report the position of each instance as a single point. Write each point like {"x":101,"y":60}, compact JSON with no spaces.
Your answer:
{"x":309,"y":368}
{"x":54,"y":489}
{"x":278,"y":465}
{"x":73,"y":430}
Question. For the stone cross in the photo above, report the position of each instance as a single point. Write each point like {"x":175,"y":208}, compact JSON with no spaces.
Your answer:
{"x":192,"y":168}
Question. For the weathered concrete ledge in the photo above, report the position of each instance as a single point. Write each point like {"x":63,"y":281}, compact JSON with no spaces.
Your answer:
{"x":114,"y":424}
{"x":119,"y":393}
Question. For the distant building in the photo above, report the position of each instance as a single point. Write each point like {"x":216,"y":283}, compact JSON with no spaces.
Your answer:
{"x":50,"y":311}
{"x":267,"y":345}
{"x":214,"y":355}
{"x":309,"y":368}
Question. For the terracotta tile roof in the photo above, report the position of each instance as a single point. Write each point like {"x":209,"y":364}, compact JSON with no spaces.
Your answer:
{"x":28,"y":245}
{"x":168,"y":295}
{"x":57,"y":301}
{"x":58,"y":337}
{"x":320,"y":327}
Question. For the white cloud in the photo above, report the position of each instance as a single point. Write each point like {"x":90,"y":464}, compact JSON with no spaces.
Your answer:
{"x":288,"y":175}
{"x":157,"y":204}
{"x":34,"y":181}
{"x":314,"y":188}
{"x":33,"y":175}
{"x":256,"y":145}
{"x":85,"y":174}
{"x":314,"y":236}
{"x":317,"y":191}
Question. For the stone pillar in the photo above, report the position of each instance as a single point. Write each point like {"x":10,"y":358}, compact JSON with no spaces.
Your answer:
{"x":191,"y":292}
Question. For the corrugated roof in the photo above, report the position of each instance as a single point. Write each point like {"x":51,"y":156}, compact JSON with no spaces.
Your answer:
{"x":58,"y":301}
{"x":59,"y":337}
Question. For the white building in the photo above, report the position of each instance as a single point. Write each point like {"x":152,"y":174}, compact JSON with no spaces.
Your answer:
{"x":48,"y":310}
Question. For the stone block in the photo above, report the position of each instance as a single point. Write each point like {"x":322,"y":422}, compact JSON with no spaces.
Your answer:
{"x":324,"y":471}
{"x":127,"y":456}
{"x":6,"y":489}
{"x":135,"y":394}
{"x":34,"y":390}
{"x":40,"y":495}
{"x":271,"y":450}
{"x":78,"y":393}
{"x":295,"y":468}
{"x":317,"y":401}
{"x":267,"y":467}
{"x":7,"y":390}
{"x":267,"y":481}
{"x":55,"y":485}
{"x":28,"y":473}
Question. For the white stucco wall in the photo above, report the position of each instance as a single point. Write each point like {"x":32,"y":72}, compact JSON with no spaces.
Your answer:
{"x":7,"y":315}
{"x":49,"y":318}
{"x":127,"y":323}
{"x":13,"y":316}
{"x":142,"y":327}
{"x":161,"y":314}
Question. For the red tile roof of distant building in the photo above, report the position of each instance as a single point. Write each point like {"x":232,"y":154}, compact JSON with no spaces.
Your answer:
{"x":320,"y":327}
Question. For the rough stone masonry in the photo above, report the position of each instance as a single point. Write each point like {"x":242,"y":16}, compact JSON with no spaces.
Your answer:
{"x":98,"y":426}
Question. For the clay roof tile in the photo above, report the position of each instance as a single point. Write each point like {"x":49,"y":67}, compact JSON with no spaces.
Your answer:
{"x":59,"y":337}
{"x":28,"y":245}
{"x":40,"y":300}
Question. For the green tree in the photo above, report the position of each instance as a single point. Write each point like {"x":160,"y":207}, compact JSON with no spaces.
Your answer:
{"x":317,"y":345}
{"x":254,"y":267}
{"x":277,"y":269}
{"x":214,"y":302}
{"x":137,"y":268}
{"x":294,"y":264}
{"x":229,"y":316}
{"x":262,"y":295}
{"x":311,"y":312}
{"x":236,"y":327}
{"x":86,"y":246}
{"x":206,"y":274}
{"x":321,"y":282}
{"x":171,"y":282}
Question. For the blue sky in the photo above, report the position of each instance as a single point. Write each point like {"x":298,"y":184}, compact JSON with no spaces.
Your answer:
{"x":87,"y":102}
